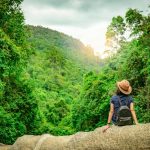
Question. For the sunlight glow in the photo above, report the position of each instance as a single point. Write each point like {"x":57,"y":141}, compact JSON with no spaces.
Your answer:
{"x":93,"y":36}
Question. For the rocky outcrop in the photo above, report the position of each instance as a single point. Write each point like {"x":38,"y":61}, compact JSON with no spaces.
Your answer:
{"x":4,"y":147}
{"x":135,"y":137}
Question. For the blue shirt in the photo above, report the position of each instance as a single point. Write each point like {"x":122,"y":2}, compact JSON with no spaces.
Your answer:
{"x":125,"y":100}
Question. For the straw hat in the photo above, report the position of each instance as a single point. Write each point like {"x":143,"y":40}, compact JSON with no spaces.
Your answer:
{"x":124,"y":87}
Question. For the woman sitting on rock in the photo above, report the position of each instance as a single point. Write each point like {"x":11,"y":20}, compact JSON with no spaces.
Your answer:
{"x":122,"y":106}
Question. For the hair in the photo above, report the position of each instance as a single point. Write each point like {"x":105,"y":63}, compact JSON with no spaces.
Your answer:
{"x":118,"y":92}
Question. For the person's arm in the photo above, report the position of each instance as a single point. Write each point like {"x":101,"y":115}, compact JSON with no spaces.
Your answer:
{"x":109,"y":117}
{"x":133,"y":113}
{"x":110,"y":113}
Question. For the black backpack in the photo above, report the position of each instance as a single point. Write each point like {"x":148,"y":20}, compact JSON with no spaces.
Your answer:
{"x":124,"y":116}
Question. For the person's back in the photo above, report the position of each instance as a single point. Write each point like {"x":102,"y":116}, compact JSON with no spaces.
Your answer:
{"x":121,"y":106}
{"x":122,"y":115}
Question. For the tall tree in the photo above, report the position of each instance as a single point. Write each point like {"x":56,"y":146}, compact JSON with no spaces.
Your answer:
{"x":18,"y":106}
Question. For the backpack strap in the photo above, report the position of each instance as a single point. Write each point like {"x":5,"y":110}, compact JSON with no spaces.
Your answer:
{"x":120,"y":101}
{"x":127,"y":101}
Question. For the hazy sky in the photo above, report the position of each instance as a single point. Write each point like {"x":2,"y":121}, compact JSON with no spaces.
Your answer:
{"x":86,"y":20}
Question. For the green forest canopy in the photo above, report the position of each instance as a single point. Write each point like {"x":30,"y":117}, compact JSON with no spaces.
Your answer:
{"x":52,"y":83}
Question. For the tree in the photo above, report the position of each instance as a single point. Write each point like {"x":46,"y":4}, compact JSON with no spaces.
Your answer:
{"x":18,"y":106}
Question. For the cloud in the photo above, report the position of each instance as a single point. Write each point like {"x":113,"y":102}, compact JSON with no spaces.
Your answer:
{"x":48,"y":14}
{"x":83,"y":19}
{"x":78,"y":12}
{"x":87,"y":5}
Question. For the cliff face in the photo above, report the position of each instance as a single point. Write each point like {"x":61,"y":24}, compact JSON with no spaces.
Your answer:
{"x":135,"y":137}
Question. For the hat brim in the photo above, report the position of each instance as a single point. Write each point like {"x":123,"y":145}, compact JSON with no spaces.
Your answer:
{"x":123,"y":91}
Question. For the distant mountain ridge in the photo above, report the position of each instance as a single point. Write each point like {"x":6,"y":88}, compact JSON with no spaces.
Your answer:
{"x":43,"y":38}
{"x":52,"y":37}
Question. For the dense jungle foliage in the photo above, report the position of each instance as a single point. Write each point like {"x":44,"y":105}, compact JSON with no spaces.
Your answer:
{"x":52,"y":83}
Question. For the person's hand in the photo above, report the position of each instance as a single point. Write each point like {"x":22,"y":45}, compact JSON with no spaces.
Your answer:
{"x":136,"y":123}
{"x":105,"y":128}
